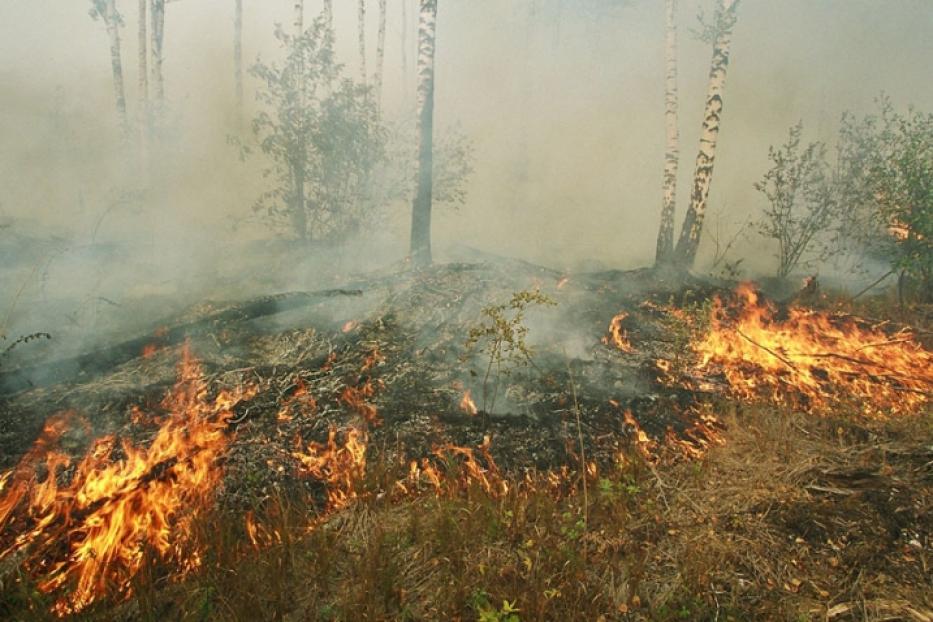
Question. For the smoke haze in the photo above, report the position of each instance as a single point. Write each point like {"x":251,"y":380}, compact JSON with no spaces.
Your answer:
{"x":563,"y":103}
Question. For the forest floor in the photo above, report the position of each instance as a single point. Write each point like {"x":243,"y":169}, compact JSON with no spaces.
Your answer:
{"x":388,"y":464}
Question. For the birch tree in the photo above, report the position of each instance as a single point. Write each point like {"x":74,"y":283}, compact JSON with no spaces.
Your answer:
{"x":156,"y":38}
{"x":238,"y":56}
{"x":299,"y":17}
{"x":421,"y":206}
{"x":665,"y":246}
{"x":106,"y":10}
{"x":329,"y":15}
{"x":405,"y":54}
{"x":721,"y":32}
{"x":142,"y":54}
{"x":380,"y":50}
{"x":361,"y":18}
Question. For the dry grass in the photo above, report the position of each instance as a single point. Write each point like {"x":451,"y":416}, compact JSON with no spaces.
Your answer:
{"x":793,"y":518}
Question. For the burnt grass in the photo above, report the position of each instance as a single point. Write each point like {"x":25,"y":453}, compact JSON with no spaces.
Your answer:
{"x":791,"y":517}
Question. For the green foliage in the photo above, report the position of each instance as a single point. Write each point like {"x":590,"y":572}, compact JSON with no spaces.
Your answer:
{"x":323,"y":136}
{"x":487,"y":612}
{"x":452,"y":166}
{"x":709,"y":29}
{"x":502,"y":334}
{"x":886,"y":175}
{"x":802,"y":202}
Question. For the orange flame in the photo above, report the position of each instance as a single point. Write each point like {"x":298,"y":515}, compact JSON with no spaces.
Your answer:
{"x":112,"y":510}
{"x":814,"y":360}
{"x":340,"y":467}
{"x":617,"y":335}
{"x":467,"y":404}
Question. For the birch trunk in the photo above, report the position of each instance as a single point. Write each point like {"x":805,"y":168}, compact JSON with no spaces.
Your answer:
{"x":238,"y":57}
{"x":361,"y":17}
{"x":405,"y":55}
{"x":297,"y":214}
{"x":299,"y":17}
{"x":380,"y":50}
{"x":142,"y":62}
{"x":421,"y":207}
{"x":329,"y":15}
{"x":665,"y":245}
{"x":156,"y":37}
{"x":112,"y":20}
{"x":689,"y":240}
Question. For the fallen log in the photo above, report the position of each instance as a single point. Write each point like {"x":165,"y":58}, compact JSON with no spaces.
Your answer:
{"x":88,"y":364}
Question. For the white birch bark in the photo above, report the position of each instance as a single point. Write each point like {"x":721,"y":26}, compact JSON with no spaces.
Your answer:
{"x":112,"y":21}
{"x":299,"y":23}
{"x":361,"y":18}
{"x":238,"y":57}
{"x":421,"y":208}
{"x":380,"y":50}
{"x":156,"y":37}
{"x":665,"y":246}
{"x":689,"y":240}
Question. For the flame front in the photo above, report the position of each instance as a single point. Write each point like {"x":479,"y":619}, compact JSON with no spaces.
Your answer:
{"x":813,"y":360}
{"x":113,"y":510}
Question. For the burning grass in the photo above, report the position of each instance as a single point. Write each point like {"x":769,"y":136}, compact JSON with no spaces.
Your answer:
{"x":813,"y":360}
{"x":601,"y":501}
{"x":791,"y":518}
{"x":88,"y":534}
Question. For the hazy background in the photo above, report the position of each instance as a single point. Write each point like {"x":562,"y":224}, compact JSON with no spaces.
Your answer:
{"x":562,"y":99}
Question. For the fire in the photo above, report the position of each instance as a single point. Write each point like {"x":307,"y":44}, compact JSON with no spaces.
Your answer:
{"x":617,"y":336}
{"x":356,"y":398}
{"x":813,"y":360}
{"x":349,"y":325}
{"x":341,"y":467}
{"x":562,"y":281}
{"x":486,"y":474}
{"x":467,"y":404}
{"x":90,"y":534}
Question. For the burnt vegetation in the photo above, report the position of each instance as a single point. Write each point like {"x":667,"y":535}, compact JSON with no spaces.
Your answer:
{"x":310,"y":422}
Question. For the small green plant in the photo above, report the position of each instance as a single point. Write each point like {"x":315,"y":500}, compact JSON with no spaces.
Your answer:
{"x":501,"y":335}
{"x":508,"y":612}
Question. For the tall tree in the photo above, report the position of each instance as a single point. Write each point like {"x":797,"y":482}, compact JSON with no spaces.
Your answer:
{"x":156,"y":38}
{"x":721,"y":33}
{"x":238,"y":56}
{"x":361,"y":18}
{"x":298,"y":162}
{"x":299,"y":17}
{"x":405,"y":54}
{"x":329,"y":15}
{"x":142,"y":54}
{"x":380,"y":50}
{"x":421,"y":206}
{"x":106,"y":10}
{"x":665,"y":246}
